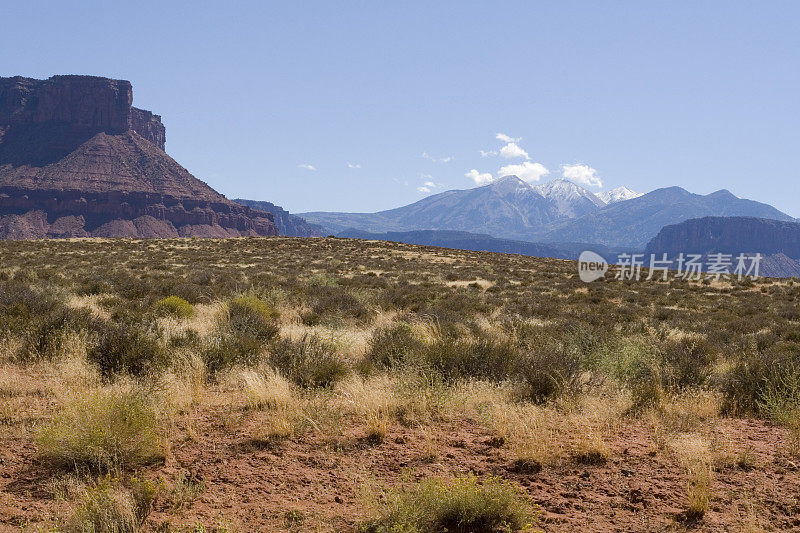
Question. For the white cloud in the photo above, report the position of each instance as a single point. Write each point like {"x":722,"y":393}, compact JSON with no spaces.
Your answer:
{"x":430,"y":184}
{"x":478,"y":177}
{"x":353,"y":165}
{"x":306,"y":166}
{"x":506,"y":138}
{"x":485,"y":153}
{"x":526,"y":171}
{"x":512,"y":151}
{"x":581,"y":174}
{"x":423,"y":189}
{"x":426,"y":155}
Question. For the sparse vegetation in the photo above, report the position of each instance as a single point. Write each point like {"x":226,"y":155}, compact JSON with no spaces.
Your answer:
{"x":304,"y":367}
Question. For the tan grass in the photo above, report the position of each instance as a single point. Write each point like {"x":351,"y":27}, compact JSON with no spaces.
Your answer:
{"x":482,"y":283}
{"x":185,"y":382}
{"x":10,"y":348}
{"x":690,"y":409}
{"x":204,"y":321}
{"x":110,"y":510}
{"x":351,"y":341}
{"x":114,"y":427}
{"x":90,"y":302}
{"x":529,"y":432}
{"x":694,"y":453}
{"x":360,"y":396}
{"x":266,"y":389}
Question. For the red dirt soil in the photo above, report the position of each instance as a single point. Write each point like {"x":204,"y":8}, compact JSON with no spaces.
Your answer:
{"x":315,"y":483}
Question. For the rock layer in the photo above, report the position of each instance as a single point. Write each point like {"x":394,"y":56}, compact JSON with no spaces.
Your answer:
{"x":777,"y":241}
{"x":288,"y":224}
{"x":76,"y":159}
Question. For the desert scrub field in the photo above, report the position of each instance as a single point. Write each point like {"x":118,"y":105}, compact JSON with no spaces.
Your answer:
{"x":286,"y":384}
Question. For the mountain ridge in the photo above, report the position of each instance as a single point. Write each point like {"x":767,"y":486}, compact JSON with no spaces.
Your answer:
{"x":510,"y":208}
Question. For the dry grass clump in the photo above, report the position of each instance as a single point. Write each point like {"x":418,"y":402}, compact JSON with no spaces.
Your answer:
{"x":694,"y":454}
{"x":280,"y":424}
{"x":465,"y":503}
{"x":111,"y":507}
{"x":185,"y":382}
{"x":266,"y":390}
{"x":528,"y":431}
{"x":373,"y":400}
{"x":104,"y":429}
{"x":540,"y":435}
{"x":690,"y":409}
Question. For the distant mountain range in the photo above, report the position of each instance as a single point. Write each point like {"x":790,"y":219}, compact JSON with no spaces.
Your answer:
{"x":555,"y":212}
{"x":634,"y":222}
{"x":777,"y":241}
{"x":506,"y":208}
{"x":289,"y":225}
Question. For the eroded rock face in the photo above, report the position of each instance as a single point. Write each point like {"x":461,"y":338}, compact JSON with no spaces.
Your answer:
{"x":60,"y":113}
{"x":76,"y":159}
{"x":732,"y":235}
{"x":288,"y":224}
{"x":148,"y":126}
{"x":778,"y":241}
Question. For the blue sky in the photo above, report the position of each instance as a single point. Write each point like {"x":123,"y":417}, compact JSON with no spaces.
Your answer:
{"x":382,"y":97}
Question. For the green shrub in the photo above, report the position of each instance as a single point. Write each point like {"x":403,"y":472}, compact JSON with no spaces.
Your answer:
{"x":548,"y":372}
{"x":465,"y":358}
{"x":453,"y":355}
{"x":779,"y":398}
{"x":309,"y":362}
{"x":225,"y":349}
{"x":390,"y":346}
{"x":332,"y":303}
{"x":252,"y":324}
{"x":460,"y":504}
{"x":104,"y":430}
{"x":129,"y":346}
{"x":251,"y":317}
{"x":754,"y":373}
{"x":174,"y":306}
{"x":685,"y":362}
{"x":44,"y":336}
{"x":780,"y":401}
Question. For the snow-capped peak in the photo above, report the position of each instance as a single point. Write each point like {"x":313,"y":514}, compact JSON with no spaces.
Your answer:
{"x":571,"y":200}
{"x":510,"y":185}
{"x":618,"y":195}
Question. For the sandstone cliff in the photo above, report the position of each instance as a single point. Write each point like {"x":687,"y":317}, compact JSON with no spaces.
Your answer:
{"x":732,"y":235}
{"x":76,"y":159}
{"x":777,"y":241}
{"x":288,"y":224}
